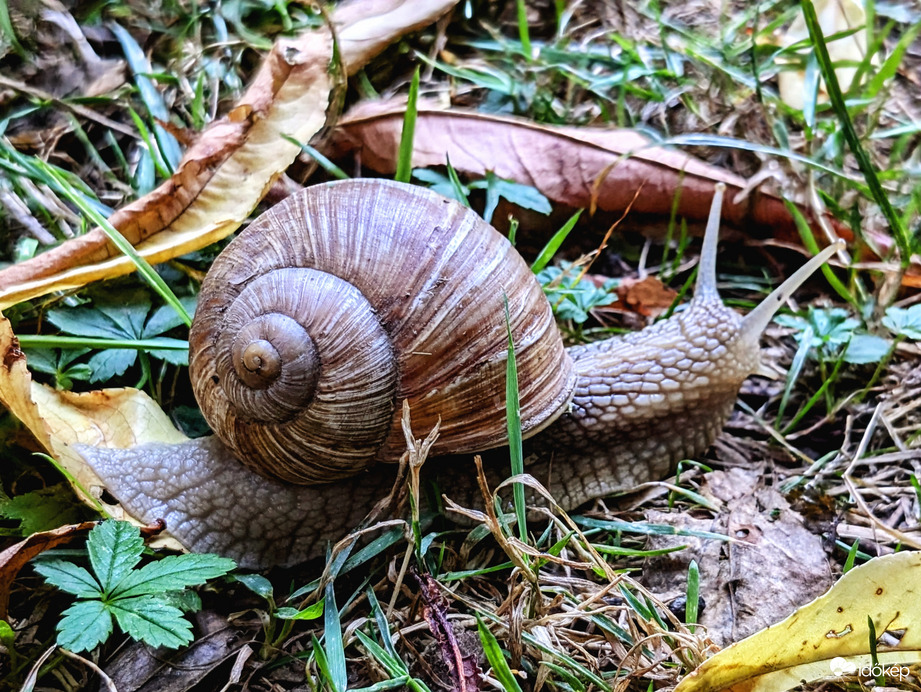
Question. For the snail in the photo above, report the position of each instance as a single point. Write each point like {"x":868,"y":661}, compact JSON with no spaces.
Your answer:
{"x":346,"y":299}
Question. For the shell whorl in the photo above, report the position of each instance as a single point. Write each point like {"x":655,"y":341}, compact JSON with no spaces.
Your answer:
{"x":349,"y":297}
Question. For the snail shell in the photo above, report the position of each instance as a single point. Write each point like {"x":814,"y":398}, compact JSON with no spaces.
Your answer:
{"x":350,"y":297}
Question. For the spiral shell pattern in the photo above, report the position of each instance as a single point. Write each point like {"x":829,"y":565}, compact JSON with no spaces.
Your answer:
{"x":345,"y":299}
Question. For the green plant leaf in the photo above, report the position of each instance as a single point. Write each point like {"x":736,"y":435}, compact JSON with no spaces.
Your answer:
{"x":104,"y":320}
{"x":69,"y":577}
{"x":311,"y":612}
{"x":84,"y":626}
{"x":572,"y":298}
{"x":147,"y":603}
{"x":904,"y":321}
{"x":152,"y":620}
{"x":187,"y":601}
{"x":114,"y":548}
{"x":124,"y":318}
{"x":162,"y":320}
{"x":258,"y":584}
{"x":57,"y":362}
{"x":440,"y":183}
{"x":41,"y":510}
{"x":111,"y":363}
{"x":525,"y":196}
{"x":866,"y":348}
{"x":173,"y":573}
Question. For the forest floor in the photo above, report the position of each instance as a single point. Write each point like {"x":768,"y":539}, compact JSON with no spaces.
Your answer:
{"x":816,"y":471}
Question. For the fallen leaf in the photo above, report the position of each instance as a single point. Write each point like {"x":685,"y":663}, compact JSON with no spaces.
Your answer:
{"x":773,"y":565}
{"x":835,"y":16}
{"x":16,"y":556}
{"x":459,"y":661}
{"x":648,"y":296}
{"x":364,"y":29}
{"x":580,"y":167}
{"x":235,"y":161}
{"x":810,"y":643}
{"x":137,"y":667}
{"x":106,"y":418}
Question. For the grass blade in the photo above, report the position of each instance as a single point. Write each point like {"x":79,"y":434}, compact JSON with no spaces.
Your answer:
{"x":140,"y":68}
{"x":850,"y":134}
{"x":494,"y":655}
{"x":524,"y":33}
{"x":513,"y":418}
{"x":809,"y":241}
{"x":405,"y":159}
{"x":7,"y":30}
{"x":321,"y":160}
{"x":554,"y":243}
{"x":460,"y":191}
{"x":692,"y":595}
{"x":63,"y":188}
{"x":335,"y":652}
{"x":74,"y":342}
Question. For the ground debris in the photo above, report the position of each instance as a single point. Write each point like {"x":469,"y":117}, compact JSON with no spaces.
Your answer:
{"x":139,"y":668}
{"x":773,"y":564}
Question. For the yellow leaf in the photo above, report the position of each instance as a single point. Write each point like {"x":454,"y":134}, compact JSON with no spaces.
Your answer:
{"x":111,"y":418}
{"x":237,"y":158}
{"x":829,"y":636}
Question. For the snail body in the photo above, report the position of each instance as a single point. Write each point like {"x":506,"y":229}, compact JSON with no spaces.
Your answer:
{"x":415,"y":285}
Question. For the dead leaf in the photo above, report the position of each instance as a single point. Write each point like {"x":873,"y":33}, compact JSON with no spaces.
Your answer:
{"x":365,"y":28}
{"x":811,"y":642}
{"x":578,"y":167}
{"x":835,"y":16}
{"x":139,"y":668}
{"x":106,"y":418}
{"x":460,"y":663}
{"x":648,"y":296}
{"x":773,"y":565}
{"x":16,"y":556}
{"x":237,"y":158}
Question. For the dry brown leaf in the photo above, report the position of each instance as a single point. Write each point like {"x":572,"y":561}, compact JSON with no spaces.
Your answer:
{"x":237,"y":158}
{"x":578,"y":167}
{"x":109,"y":418}
{"x":219,"y":181}
{"x":648,"y":296}
{"x":827,"y":637}
{"x":16,"y":556}
{"x":458,"y":657}
{"x":773,"y":565}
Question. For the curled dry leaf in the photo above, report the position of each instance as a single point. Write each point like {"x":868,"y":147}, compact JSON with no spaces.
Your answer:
{"x":16,"y":556}
{"x":458,"y":656}
{"x":106,"y":418}
{"x":579,"y":167}
{"x":225,"y":174}
{"x":807,"y":645}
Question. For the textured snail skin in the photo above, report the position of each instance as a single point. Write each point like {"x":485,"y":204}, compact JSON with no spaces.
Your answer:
{"x":640,"y":404}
